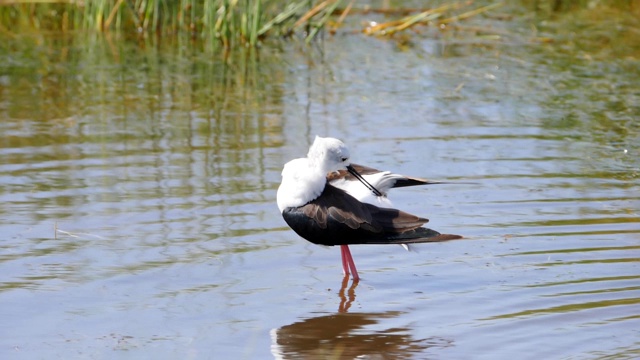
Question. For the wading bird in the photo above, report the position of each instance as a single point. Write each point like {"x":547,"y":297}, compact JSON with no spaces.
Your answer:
{"x":327,"y":201}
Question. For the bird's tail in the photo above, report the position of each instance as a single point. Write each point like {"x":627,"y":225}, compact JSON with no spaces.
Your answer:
{"x":416,"y":236}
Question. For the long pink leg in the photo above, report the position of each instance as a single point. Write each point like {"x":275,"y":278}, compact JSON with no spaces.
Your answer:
{"x":345,"y":261}
{"x":346,"y":252}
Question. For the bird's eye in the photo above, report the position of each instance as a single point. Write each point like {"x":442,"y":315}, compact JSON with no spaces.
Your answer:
{"x":344,"y":159}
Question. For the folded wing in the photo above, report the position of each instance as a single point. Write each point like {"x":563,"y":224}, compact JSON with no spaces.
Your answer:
{"x":341,"y":219}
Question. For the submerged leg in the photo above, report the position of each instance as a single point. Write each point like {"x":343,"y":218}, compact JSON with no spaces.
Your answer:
{"x":346,"y":252}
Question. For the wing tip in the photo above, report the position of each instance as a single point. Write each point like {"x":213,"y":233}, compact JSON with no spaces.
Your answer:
{"x":447,"y":237}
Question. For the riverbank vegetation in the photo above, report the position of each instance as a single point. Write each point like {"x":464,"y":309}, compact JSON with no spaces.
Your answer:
{"x":233,"y":23}
{"x":227,"y":22}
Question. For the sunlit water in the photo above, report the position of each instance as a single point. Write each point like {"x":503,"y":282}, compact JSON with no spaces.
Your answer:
{"x":138,"y":200}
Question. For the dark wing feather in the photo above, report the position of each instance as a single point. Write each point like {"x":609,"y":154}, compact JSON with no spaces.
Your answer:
{"x":396,"y":221}
{"x":337,"y":218}
{"x":318,"y":214}
{"x":337,"y":205}
{"x":419,"y":235}
{"x":346,"y":209}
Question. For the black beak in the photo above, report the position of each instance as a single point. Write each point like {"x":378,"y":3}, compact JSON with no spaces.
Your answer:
{"x":353,"y":172}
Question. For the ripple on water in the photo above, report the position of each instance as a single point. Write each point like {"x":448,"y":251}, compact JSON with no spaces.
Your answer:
{"x":142,"y":218}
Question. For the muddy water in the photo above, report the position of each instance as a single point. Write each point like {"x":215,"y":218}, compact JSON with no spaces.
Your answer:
{"x":137,"y":183}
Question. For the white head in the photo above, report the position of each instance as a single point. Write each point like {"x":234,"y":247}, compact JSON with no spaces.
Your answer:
{"x":328,"y":155}
{"x":304,"y":179}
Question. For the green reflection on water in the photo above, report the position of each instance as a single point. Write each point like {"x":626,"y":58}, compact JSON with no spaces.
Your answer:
{"x":579,"y":250}
{"x":561,"y":309}
{"x":604,"y":279}
{"x":72,"y":101}
{"x":594,"y":58}
{"x":90,"y":81}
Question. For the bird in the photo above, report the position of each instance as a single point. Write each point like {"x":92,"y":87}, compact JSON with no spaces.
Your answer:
{"x":327,"y":201}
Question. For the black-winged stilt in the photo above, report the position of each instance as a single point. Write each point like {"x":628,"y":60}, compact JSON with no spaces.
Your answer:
{"x":320,"y":199}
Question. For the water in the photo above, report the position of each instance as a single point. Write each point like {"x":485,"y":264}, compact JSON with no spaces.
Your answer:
{"x":138,"y":188}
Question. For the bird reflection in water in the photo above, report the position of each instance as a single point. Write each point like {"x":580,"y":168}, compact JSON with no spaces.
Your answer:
{"x":346,"y":300}
{"x":344,"y":335}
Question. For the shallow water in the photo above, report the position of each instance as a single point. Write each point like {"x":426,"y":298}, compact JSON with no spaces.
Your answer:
{"x":138,"y":188}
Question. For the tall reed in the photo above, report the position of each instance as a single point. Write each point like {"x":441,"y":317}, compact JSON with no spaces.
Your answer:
{"x":229,"y":22}
{"x":225,"y":23}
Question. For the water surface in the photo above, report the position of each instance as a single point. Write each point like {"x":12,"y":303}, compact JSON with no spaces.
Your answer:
{"x":138,"y":187}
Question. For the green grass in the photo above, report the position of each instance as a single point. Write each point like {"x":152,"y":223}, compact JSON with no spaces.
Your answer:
{"x":244,"y":23}
{"x":230,"y":22}
{"x":233,"y":23}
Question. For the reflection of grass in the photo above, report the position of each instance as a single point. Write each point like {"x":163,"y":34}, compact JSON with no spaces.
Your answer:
{"x":568,"y":308}
{"x":570,"y":5}
{"x":229,"y":23}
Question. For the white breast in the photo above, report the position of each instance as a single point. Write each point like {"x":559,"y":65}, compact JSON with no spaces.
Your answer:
{"x":300,"y":184}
